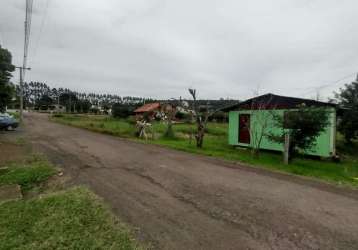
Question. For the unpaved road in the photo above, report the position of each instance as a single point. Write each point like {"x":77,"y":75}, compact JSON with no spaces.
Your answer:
{"x":183,"y":201}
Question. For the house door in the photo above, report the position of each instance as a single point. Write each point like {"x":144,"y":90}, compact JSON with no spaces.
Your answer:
{"x":244,"y":128}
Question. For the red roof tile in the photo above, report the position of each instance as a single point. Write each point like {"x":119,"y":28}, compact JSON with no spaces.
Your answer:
{"x":148,"y":107}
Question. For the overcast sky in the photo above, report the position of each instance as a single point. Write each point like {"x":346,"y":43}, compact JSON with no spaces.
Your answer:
{"x":157,"y":48}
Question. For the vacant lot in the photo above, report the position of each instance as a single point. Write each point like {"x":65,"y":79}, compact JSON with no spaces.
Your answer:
{"x":345,"y":172}
{"x":178,"y":200}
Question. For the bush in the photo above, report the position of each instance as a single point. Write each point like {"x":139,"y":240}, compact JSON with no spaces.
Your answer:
{"x":182,"y":116}
{"x":303,"y":125}
{"x":131,"y":120}
{"x":219,"y":116}
{"x":121,"y":110}
{"x":169,"y":132}
{"x":94,"y":110}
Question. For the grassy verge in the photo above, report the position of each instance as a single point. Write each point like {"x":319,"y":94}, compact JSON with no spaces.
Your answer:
{"x":216,"y":145}
{"x":27,"y":174}
{"x":72,"y":219}
{"x":68,"y":219}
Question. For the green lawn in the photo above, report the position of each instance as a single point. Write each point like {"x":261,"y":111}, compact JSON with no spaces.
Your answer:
{"x":216,"y":145}
{"x":72,"y":219}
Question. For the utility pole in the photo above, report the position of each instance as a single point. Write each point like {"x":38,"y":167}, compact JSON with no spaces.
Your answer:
{"x":27,"y":26}
{"x":22,"y":69}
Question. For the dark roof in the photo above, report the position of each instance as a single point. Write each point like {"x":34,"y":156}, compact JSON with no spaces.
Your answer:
{"x":148,"y":107}
{"x":271,"y":101}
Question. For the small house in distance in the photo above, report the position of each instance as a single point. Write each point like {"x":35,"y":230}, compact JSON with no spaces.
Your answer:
{"x":153,"y":110}
{"x":245,"y":120}
{"x":149,"y":109}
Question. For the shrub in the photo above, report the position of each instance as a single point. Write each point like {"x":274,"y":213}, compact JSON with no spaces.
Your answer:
{"x":169,"y":133}
{"x":131,"y":120}
{"x":347,"y":98}
{"x":182,"y":116}
{"x":219,"y":116}
{"x":121,"y":110}
{"x":94,"y":110}
{"x":303,"y":125}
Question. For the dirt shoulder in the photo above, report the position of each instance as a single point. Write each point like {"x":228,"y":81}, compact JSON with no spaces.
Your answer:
{"x":183,"y":201}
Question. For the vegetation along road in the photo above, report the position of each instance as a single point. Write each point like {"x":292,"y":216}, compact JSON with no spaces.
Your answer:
{"x":177,"y":200}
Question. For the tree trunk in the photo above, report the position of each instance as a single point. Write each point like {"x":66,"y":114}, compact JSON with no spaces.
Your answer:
{"x":169,"y":133}
{"x":255,"y":152}
{"x":200,"y":136}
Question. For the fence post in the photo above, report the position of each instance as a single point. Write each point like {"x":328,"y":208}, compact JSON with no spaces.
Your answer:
{"x":286,"y":153}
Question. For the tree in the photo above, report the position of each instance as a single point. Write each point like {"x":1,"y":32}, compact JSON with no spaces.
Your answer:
{"x":170,"y":110}
{"x":202,"y":115}
{"x":348,"y":100}
{"x":262,"y":110}
{"x":7,"y":89}
{"x":219,"y":116}
{"x":83,"y":106}
{"x":68,"y":99}
{"x":303,"y":125}
{"x":44,"y":102}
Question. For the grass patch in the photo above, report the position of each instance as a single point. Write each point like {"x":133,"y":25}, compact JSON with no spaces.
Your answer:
{"x":100,"y":124}
{"x":72,"y":219}
{"x":341,"y":173}
{"x":28,"y":174}
{"x":20,"y":141}
{"x":216,"y":145}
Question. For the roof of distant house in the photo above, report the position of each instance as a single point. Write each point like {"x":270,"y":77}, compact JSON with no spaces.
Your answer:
{"x":148,"y":107}
{"x":272,"y":101}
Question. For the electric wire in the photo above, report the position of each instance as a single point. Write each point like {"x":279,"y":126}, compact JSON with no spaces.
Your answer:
{"x":37,"y":41}
{"x":326,"y":85}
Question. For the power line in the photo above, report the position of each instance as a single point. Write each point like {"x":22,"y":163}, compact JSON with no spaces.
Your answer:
{"x":326,"y":85}
{"x":337,"y":81}
{"x":37,"y":41}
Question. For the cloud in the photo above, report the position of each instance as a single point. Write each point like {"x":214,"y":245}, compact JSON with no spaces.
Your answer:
{"x":160,"y":48}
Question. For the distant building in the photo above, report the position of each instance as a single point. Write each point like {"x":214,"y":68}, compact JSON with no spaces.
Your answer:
{"x":148,"y":108}
{"x":149,"y":111}
{"x":57,"y":108}
{"x":153,"y":110}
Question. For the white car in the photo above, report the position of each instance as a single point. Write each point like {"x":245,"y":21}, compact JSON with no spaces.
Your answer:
{"x":8,"y":122}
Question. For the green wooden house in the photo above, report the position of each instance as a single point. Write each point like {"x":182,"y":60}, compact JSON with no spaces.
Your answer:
{"x":252,"y":118}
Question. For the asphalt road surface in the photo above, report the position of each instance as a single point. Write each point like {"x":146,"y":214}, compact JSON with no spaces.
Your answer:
{"x":177,"y":200}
